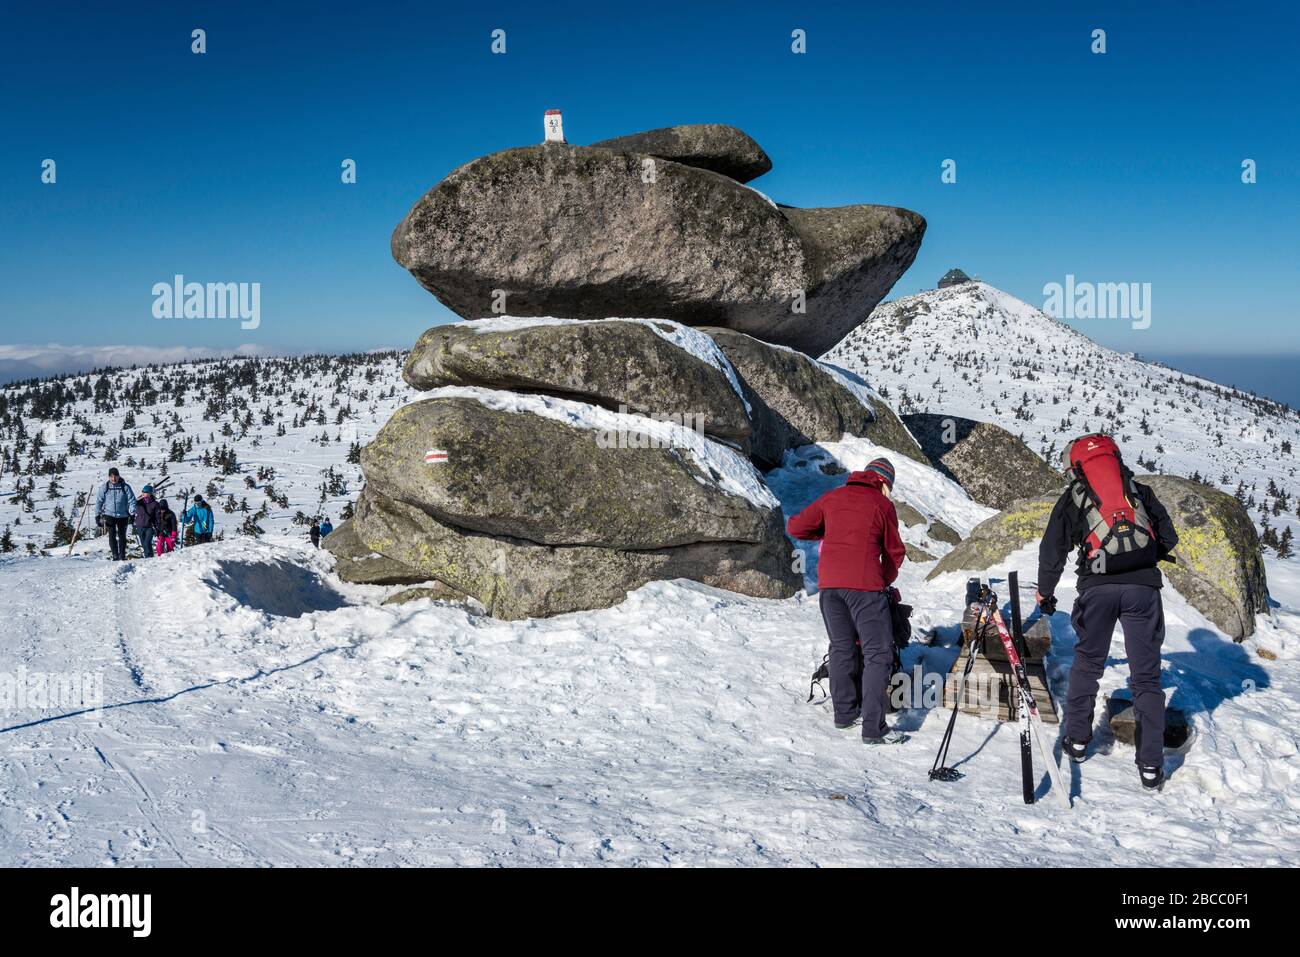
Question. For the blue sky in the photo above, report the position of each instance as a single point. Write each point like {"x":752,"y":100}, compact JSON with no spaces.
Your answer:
{"x":1123,"y":167}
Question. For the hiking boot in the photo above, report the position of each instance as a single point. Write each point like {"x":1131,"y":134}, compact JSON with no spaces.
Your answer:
{"x":1075,"y":750}
{"x":889,"y":737}
{"x":845,"y":724}
{"x":1153,"y":779}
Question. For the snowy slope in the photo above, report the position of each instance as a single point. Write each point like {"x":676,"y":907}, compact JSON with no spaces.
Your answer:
{"x":257,"y":710}
{"x":976,"y":352}
{"x":239,"y":404}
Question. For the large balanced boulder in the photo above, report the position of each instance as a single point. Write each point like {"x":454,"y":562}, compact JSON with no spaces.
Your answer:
{"x":504,"y":470}
{"x":357,"y":563}
{"x":795,"y":400}
{"x":712,"y":146}
{"x":854,"y":255}
{"x":582,"y":233}
{"x":513,"y":578}
{"x":639,"y":366}
{"x":994,"y":467}
{"x":1219,"y":567}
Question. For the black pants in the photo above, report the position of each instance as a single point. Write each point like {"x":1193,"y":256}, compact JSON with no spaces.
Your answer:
{"x":1140,"y":613}
{"x":861,"y":654}
{"x":201,"y":537}
{"x":116,"y":535}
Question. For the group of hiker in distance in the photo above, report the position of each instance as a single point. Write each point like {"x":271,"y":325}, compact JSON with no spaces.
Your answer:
{"x":1121,"y":532}
{"x":156,"y":526}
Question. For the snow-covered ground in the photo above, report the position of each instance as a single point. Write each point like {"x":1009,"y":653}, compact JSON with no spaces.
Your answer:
{"x":247,"y":707}
{"x":256,"y":710}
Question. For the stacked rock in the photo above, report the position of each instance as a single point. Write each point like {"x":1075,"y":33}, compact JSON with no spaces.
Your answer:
{"x":598,"y":438}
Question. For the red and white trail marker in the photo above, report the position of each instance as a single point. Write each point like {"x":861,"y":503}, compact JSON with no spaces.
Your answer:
{"x":435,"y":456}
{"x":553,"y":124}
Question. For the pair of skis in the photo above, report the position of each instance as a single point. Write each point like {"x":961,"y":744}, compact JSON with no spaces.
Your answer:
{"x":1031,"y":724}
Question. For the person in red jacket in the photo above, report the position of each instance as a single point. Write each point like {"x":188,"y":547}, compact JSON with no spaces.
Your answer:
{"x":861,"y":552}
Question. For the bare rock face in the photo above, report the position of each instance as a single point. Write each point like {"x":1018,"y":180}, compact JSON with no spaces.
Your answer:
{"x":609,"y":363}
{"x":516,"y":474}
{"x":582,"y":233}
{"x":997,"y":537}
{"x":994,"y":467}
{"x":943,"y":532}
{"x":907,"y":515}
{"x":853,"y":255}
{"x":915,"y":553}
{"x":712,"y":146}
{"x":355,"y":562}
{"x":513,"y":578}
{"x":795,"y":401}
{"x":1220,"y":567}
{"x":1123,"y":722}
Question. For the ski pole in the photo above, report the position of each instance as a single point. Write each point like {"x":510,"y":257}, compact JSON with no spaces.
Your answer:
{"x":76,"y":533}
{"x":940,"y":771}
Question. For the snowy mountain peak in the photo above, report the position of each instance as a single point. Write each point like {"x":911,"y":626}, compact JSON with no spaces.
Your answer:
{"x":974,"y":351}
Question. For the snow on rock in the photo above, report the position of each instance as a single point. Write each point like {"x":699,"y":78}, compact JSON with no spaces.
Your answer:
{"x":684,"y":337}
{"x":729,"y":469}
{"x":802,"y":478}
{"x":854,"y":383}
{"x":926,"y":489}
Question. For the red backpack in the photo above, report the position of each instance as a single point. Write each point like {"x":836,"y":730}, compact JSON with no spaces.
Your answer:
{"x":1120,"y":534}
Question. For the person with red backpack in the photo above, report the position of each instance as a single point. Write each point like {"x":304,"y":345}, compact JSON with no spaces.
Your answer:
{"x":1121,"y":532}
{"x":861,"y":552}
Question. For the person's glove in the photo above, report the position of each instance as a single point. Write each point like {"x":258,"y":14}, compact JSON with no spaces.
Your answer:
{"x":895,"y":595}
{"x":99,"y":520}
{"x":1047,"y":604}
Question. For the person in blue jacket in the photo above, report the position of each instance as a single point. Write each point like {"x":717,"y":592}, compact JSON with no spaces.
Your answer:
{"x":200,"y":515}
{"x":114,"y":509}
{"x":325,"y":526}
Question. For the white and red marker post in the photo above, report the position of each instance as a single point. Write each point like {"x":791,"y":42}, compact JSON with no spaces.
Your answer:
{"x":553,"y":125}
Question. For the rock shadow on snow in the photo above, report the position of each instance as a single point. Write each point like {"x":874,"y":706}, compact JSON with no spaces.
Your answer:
{"x":277,"y":587}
